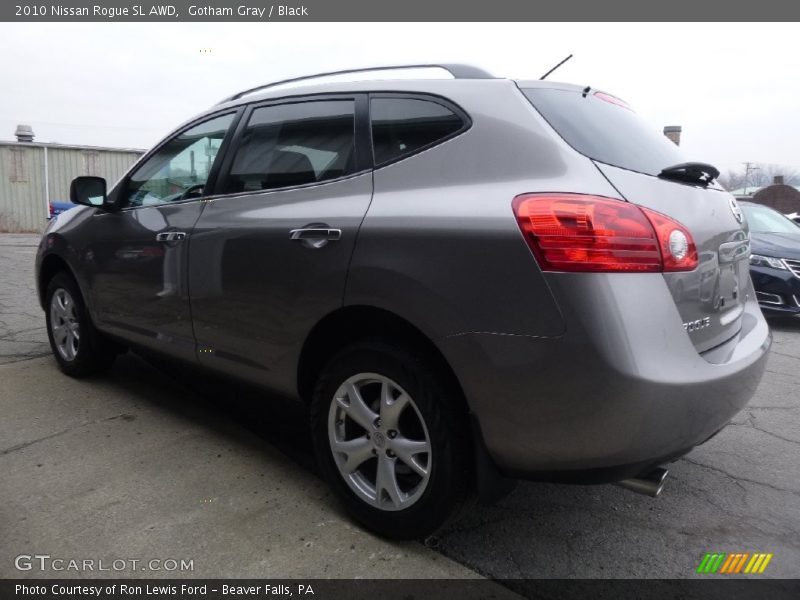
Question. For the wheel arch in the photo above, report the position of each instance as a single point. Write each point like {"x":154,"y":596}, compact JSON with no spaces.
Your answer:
{"x":52,"y":264}
{"x":352,"y":323}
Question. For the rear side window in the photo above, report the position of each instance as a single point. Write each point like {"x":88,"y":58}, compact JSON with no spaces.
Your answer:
{"x":605,"y":129}
{"x":402,"y":126}
{"x":294,"y":144}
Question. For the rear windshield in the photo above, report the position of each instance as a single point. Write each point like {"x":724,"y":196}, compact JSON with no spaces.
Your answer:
{"x":598,"y":127}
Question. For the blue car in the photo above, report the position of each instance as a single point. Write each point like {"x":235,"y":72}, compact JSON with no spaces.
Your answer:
{"x":774,"y":260}
{"x":56,"y":208}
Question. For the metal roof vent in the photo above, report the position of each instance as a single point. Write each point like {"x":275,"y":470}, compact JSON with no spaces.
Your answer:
{"x":24,"y":133}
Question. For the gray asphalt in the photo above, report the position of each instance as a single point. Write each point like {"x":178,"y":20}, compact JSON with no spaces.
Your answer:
{"x":740,"y":492}
{"x":22,"y":332}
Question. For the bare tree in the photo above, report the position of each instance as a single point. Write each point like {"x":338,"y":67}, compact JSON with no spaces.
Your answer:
{"x":791,"y":176}
{"x":755,"y":175}
{"x":732,"y":180}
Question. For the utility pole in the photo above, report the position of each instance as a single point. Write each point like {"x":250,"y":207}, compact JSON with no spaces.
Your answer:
{"x":748,"y":166}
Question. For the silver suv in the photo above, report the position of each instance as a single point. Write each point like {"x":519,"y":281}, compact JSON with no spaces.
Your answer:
{"x":467,"y":279}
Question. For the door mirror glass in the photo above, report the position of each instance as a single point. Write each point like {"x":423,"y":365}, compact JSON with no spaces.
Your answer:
{"x":89,"y":191}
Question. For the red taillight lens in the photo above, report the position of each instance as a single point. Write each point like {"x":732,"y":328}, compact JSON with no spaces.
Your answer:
{"x":577,"y":232}
{"x":677,"y":246}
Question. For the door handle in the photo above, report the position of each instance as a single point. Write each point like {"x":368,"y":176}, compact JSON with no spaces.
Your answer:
{"x":316,"y":233}
{"x":170,"y":236}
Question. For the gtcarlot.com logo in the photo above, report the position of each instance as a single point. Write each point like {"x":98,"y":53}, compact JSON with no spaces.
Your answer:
{"x":734,"y":563}
{"x":45,"y":562}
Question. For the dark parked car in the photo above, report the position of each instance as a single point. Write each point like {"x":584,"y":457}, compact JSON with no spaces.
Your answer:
{"x":775,"y":259}
{"x":467,"y":279}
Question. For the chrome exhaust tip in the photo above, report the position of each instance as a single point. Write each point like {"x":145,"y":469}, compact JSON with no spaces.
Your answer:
{"x":649,"y":484}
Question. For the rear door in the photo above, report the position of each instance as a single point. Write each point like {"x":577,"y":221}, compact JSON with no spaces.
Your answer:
{"x":270,"y":253}
{"x":631,"y":154}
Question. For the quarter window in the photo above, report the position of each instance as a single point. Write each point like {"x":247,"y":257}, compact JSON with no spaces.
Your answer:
{"x":402,"y":126}
{"x":180,"y":168}
{"x":294,"y":144}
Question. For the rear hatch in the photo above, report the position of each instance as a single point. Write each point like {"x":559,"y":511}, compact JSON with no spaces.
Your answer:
{"x":633,"y":155}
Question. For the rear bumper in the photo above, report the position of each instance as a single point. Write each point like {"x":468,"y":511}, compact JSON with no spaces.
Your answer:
{"x":623,"y":389}
{"x":778,"y":291}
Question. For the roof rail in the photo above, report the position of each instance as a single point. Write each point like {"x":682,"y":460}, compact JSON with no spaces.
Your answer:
{"x":457,"y":71}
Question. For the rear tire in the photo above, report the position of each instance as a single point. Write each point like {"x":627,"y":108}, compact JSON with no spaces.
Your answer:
{"x":402,"y":466}
{"x":79,"y":349}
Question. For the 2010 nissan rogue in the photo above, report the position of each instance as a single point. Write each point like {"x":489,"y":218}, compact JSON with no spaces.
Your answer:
{"x":468,"y":279}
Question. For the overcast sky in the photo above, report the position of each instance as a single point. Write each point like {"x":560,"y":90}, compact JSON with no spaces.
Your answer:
{"x":732,"y":87}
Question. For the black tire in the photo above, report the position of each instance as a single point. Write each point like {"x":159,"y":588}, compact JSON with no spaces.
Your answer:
{"x":449,"y":463}
{"x":93,"y":352}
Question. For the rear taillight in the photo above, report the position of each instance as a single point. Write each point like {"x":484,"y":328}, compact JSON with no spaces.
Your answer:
{"x":577,"y":232}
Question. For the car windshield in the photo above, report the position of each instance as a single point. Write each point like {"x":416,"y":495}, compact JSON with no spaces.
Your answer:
{"x":766,"y":220}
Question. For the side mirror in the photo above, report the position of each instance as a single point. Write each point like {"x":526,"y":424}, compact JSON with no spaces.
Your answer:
{"x":89,"y":191}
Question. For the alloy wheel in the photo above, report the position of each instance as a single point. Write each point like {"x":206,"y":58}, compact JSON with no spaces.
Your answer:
{"x":379,"y":441}
{"x":64,"y":324}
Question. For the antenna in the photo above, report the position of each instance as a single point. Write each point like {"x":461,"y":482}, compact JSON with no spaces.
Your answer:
{"x":554,"y":68}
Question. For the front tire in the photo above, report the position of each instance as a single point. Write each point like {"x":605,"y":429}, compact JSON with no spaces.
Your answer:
{"x":391,"y":439}
{"x":79,"y":349}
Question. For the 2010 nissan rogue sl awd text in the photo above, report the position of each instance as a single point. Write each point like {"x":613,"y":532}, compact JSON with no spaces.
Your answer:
{"x":468,"y":280}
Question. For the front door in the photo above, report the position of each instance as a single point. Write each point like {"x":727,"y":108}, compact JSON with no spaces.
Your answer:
{"x":139,"y":253}
{"x":269,"y":256}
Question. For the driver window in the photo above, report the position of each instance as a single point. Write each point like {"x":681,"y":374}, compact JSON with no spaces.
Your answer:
{"x":180,"y":168}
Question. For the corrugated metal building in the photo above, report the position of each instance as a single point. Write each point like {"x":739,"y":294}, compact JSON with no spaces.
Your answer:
{"x":34,"y":174}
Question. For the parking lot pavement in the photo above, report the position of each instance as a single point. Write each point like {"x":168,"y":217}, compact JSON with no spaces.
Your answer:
{"x":135,"y":466}
{"x":148,"y":462}
{"x":22,"y":334}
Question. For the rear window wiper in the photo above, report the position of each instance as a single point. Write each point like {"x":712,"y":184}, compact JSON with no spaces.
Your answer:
{"x":691,"y":172}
